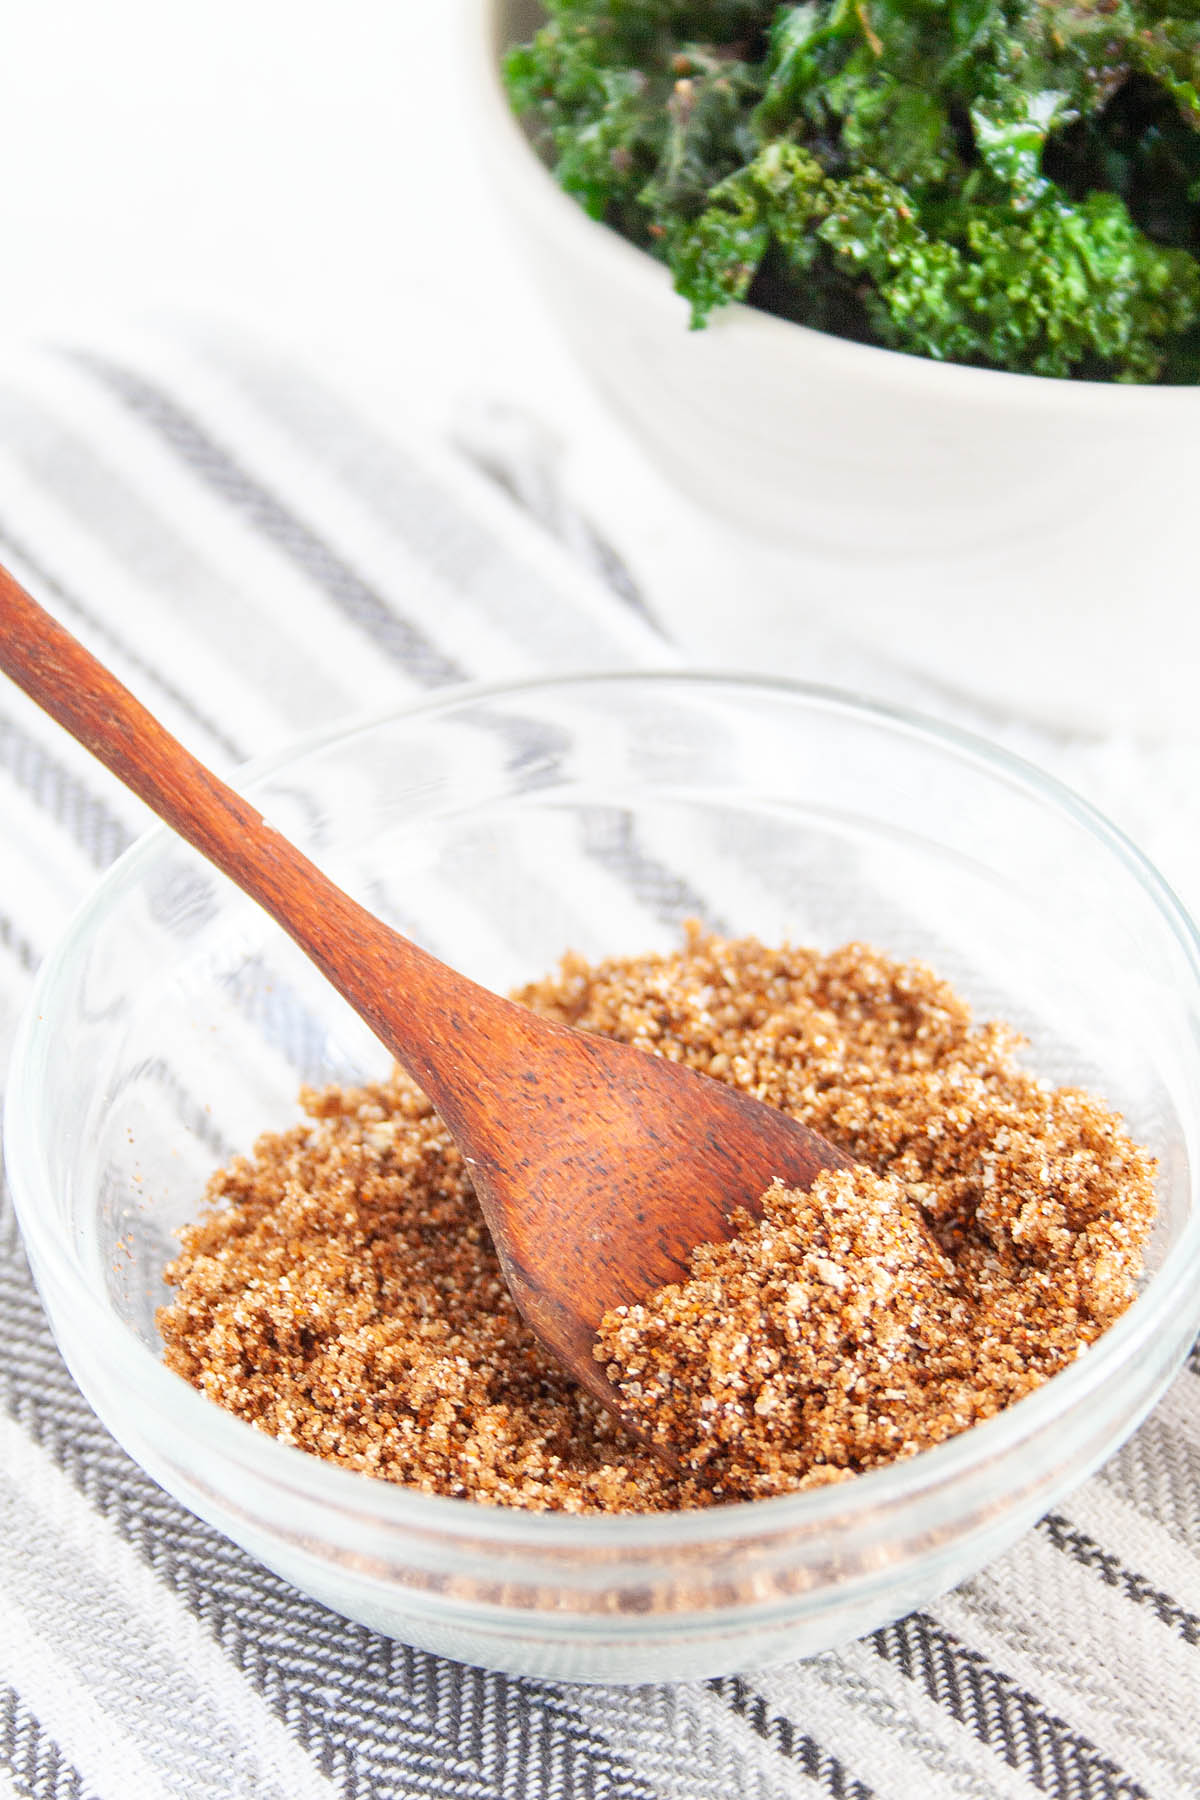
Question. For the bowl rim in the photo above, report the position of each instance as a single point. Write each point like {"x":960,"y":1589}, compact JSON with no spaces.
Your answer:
{"x":284,"y":1466}
{"x":926,"y":378}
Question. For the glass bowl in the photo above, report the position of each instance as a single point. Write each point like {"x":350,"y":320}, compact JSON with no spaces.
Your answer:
{"x":500,"y":826}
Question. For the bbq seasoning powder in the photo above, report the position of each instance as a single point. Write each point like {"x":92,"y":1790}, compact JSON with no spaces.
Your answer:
{"x":342,"y":1293}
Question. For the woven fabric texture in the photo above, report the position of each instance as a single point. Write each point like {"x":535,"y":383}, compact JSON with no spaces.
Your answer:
{"x":258,"y":556}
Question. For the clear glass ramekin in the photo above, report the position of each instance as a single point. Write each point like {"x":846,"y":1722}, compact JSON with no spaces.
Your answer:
{"x":501,"y":826}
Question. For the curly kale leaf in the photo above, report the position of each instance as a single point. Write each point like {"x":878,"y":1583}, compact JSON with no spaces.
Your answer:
{"x":635,"y":119}
{"x":708,"y":134}
{"x":1170,"y":55}
{"x":598,"y":122}
{"x":1057,"y":287}
{"x":716,"y":256}
{"x":867,"y":96}
{"x":1010,"y":132}
{"x":717,"y":20}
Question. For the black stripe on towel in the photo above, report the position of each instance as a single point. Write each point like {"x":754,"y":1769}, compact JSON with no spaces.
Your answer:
{"x":529,"y":472}
{"x":266,"y":513}
{"x":1113,"y":1572}
{"x":1014,"y":1723}
{"x":789,"y":1740}
{"x":37,"y":1768}
{"x":48,"y":587}
{"x":62,"y":795}
{"x":17,"y":946}
{"x":609,"y":838}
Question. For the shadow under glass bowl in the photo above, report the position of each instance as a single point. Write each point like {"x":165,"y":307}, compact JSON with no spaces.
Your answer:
{"x":500,"y":827}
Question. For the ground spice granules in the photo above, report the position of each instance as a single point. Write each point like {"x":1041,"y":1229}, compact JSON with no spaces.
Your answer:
{"x":342,"y":1293}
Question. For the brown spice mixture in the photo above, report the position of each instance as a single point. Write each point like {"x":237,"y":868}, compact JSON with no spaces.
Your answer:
{"x":343,"y":1294}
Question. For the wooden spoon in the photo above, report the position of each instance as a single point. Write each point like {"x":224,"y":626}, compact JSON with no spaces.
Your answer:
{"x":598,"y":1167}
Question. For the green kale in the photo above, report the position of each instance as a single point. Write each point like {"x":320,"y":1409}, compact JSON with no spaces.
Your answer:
{"x":1010,"y":183}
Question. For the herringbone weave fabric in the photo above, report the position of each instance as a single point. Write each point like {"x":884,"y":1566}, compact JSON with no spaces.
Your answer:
{"x":256,"y":556}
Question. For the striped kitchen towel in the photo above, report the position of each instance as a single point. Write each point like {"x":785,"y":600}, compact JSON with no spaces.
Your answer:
{"x":257,"y":555}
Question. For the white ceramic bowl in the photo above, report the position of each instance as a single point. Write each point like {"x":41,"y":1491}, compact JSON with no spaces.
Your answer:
{"x":1030,"y":541}
{"x":175,"y":1022}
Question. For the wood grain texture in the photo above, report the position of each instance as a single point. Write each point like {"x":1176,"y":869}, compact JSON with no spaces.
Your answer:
{"x":598,"y":1167}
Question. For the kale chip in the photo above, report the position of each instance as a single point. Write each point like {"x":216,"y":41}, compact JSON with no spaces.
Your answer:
{"x":1009,"y":183}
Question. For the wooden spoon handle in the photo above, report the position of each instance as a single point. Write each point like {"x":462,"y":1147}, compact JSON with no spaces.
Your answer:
{"x":363,"y":959}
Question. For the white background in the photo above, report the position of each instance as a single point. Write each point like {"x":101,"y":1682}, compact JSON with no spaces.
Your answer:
{"x":303,"y":169}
